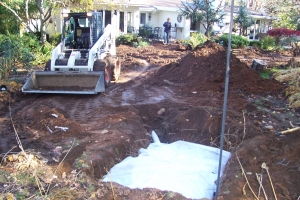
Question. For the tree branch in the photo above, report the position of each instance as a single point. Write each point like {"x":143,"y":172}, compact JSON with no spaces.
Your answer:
{"x":48,"y":14}
{"x":18,"y":17}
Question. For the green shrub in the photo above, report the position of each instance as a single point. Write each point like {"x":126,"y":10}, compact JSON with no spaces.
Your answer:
{"x":15,"y":51}
{"x":195,"y":40}
{"x":145,"y":33}
{"x":237,"y":41}
{"x":127,"y":39}
{"x":266,"y":74}
{"x":269,"y":43}
{"x":55,"y":39}
{"x":42,"y":54}
{"x":21,"y":52}
{"x":140,"y":43}
{"x":30,"y":41}
{"x":256,"y":44}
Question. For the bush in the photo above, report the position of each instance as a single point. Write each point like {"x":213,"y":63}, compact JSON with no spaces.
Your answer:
{"x":140,"y":43}
{"x":127,"y":39}
{"x":38,"y":35}
{"x":15,"y":51}
{"x":278,"y":32}
{"x":21,"y":52}
{"x":55,"y":39}
{"x":42,"y":54}
{"x":237,"y":41}
{"x":195,"y":40}
{"x":268,"y":43}
{"x":145,"y":33}
{"x":255,"y":44}
{"x":30,"y":41}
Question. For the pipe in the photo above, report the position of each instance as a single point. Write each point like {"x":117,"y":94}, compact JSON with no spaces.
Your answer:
{"x":225,"y":100}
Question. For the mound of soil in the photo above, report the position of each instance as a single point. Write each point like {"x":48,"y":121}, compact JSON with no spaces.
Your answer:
{"x":205,"y":69}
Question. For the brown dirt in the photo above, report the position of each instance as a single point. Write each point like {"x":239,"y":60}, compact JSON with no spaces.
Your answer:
{"x":106,"y":128}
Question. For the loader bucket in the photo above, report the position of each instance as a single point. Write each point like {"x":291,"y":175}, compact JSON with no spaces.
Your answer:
{"x":70,"y":82}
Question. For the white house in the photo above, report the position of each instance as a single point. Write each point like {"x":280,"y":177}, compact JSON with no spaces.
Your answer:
{"x":262,"y":22}
{"x":133,"y":15}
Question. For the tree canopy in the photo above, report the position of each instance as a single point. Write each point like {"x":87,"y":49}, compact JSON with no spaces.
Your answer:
{"x":28,"y":12}
{"x":207,"y":12}
{"x":244,"y":20}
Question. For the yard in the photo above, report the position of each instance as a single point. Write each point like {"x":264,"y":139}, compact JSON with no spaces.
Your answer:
{"x":104,"y":129}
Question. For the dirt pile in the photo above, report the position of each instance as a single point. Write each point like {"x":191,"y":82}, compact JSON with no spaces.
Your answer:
{"x":205,"y":68}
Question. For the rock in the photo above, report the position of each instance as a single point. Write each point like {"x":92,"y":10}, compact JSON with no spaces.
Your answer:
{"x":161,"y":112}
{"x":190,"y":74}
{"x":269,"y":127}
{"x":104,"y":131}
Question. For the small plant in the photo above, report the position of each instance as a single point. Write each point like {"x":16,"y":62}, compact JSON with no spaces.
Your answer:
{"x":268,"y":43}
{"x":81,"y":162}
{"x":140,"y":43}
{"x":258,"y":102}
{"x":127,"y":39}
{"x":266,"y":74}
{"x":195,"y":40}
{"x":91,"y":188}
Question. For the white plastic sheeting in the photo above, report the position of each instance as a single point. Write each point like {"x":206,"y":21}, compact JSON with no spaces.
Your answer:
{"x":187,"y":168}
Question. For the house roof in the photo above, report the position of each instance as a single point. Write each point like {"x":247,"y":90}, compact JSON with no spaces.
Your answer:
{"x":252,"y":13}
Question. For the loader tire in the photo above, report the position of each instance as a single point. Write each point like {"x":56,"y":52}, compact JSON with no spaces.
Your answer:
{"x":48,"y":66}
{"x":103,"y":65}
{"x":115,"y":64}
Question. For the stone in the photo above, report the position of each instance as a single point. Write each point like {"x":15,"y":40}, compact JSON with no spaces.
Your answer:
{"x":161,"y":112}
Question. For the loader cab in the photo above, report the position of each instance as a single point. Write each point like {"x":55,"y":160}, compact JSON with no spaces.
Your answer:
{"x":79,"y":30}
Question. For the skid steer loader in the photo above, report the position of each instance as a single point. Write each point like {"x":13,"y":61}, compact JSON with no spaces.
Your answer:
{"x":84,"y":62}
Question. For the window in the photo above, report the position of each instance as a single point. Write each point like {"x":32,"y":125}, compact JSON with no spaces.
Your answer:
{"x":143,"y":18}
{"x":84,"y":22}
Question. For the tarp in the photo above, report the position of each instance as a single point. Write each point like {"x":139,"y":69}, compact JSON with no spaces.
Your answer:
{"x":183,"y":167}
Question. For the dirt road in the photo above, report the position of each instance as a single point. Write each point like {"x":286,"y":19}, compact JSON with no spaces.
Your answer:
{"x":106,"y":128}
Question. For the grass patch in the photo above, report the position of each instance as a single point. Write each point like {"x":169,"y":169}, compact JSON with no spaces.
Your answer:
{"x":266,"y":74}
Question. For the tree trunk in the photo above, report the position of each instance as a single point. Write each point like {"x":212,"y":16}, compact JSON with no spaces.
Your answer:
{"x":43,"y":38}
{"x":258,"y":65}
